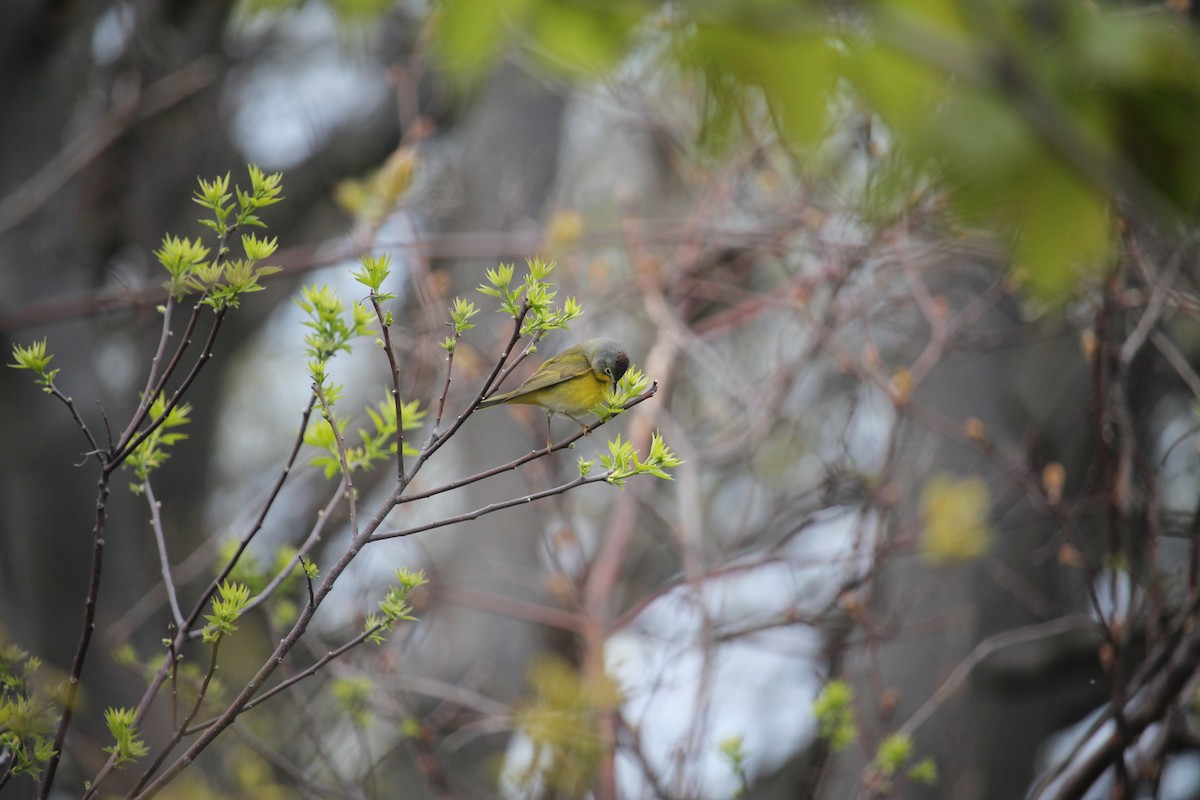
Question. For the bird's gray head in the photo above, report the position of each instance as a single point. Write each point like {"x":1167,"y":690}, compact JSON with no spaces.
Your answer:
{"x":608,"y":358}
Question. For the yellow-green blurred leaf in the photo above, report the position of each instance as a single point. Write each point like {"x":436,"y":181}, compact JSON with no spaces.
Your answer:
{"x":582,"y":39}
{"x":561,"y":723}
{"x":1064,"y":229}
{"x":900,"y":88}
{"x":1131,"y":49}
{"x":471,"y":33}
{"x":942,"y":16}
{"x":796,"y":71}
{"x":360,"y":10}
{"x":980,"y":138}
{"x":954,"y":513}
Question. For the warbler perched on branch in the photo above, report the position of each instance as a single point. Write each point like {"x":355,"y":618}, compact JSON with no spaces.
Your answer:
{"x":571,"y":383}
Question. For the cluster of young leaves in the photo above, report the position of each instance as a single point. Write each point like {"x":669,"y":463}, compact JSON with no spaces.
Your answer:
{"x":632,"y":384}
{"x":460,"y":319}
{"x":622,"y":461}
{"x":257,"y":574}
{"x":895,"y":758}
{"x":834,"y":711}
{"x":395,"y":606}
{"x":377,"y":445}
{"x":227,"y":607}
{"x":35,"y":359}
{"x":330,"y":331}
{"x":26,"y":716}
{"x":375,"y":270}
{"x":534,"y":297}
{"x":222,"y":280}
{"x":152,"y":452}
{"x":128,"y":744}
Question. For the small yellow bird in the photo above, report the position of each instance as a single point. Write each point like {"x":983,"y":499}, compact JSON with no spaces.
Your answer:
{"x":571,"y":383}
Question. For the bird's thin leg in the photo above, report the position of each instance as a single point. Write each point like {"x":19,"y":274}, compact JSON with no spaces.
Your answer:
{"x":549,"y":441}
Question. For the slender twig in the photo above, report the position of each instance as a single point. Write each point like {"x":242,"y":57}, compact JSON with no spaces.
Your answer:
{"x":123,"y":450}
{"x":944,"y":332}
{"x":1155,"y":309}
{"x":307,"y":580}
{"x":313,"y":732}
{"x":314,"y":536}
{"x":633,"y":744}
{"x":441,"y":406}
{"x":71,"y":693}
{"x":513,"y":338}
{"x":1114,"y":456}
{"x":1121,"y":411}
{"x":96,"y":451}
{"x":175,"y":661}
{"x":308,"y":671}
{"x":297,"y":443}
{"x":340,"y":441}
{"x":1177,"y":360}
{"x":179,"y":731}
{"x":262,"y":515}
{"x":516,"y":362}
{"x":168,"y":311}
{"x":154,"y":387}
{"x":164,"y":563}
{"x":1041,"y":631}
{"x":491,"y":508}
{"x":510,"y":607}
{"x":437,"y":439}
{"x":397,"y":403}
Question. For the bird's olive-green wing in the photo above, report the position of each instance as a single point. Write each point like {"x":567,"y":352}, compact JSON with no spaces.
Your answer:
{"x":570,"y":363}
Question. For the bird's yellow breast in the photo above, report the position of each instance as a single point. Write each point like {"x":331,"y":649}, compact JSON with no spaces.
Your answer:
{"x":573,"y":397}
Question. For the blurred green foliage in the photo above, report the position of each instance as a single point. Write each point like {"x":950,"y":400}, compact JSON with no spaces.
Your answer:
{"x":1036,"y":118}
